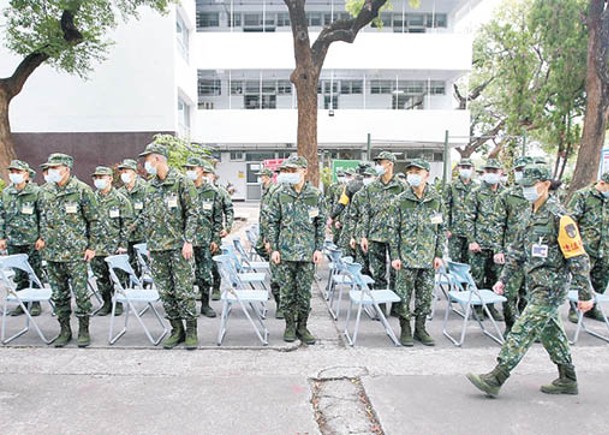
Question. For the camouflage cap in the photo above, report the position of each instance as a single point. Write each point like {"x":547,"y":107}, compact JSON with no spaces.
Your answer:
{"x":418,"y":163}
{"x":522,"y":161}
{"x":605,"y":177}
{"x":194,"y":162}
{"x":296,"y":162}
{"x":540,"y":160}
{"x":350,"y":171}
{"x":59,"y":159}
{"x":155,"y":148}
{"x":128,"y":164}
{"x":208,"y":168}
{"x":19,"y":165}
{"x":102,"y":170}
{"x":492,"y":164}
{"x":31,"y":171}
{"x":385,"y":155}
{"x":533,"y":173}
{"x":400,"y":175}
{"x":340,"y":173}
{"x":265,"y":172}
{"x":466,"y":162}
{"x":369,"y":170}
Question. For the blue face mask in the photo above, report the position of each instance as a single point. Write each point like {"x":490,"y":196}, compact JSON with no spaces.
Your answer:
{"x":288,"y":178}
{"x":380,"y":170}
{"x":414,"y":180}
{"x":530,"y":193}
{"x":605,"y":194}
{"x":491,"y":178}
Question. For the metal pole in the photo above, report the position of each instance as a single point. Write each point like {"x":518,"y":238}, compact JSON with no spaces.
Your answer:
{"x":368,"y":146}
{"x":446,"y":161}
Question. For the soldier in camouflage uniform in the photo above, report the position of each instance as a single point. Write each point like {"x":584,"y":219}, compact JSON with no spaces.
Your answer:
{"x":115,"y":217}
{"x":170,"y":219}
{"x":376,"y":214}
{"x":297,"y":220}
{"x":482,"y":229}
{"x":590,"y":209}
{"x":417,"y":238}
{"x":335,"y":190}
{"x":510,"y":209}
{"x":228,"y":218}
{"x":209,"y":224}
{"x":455,"y":202}
{"x":20,"y":209}
{"x":134,"y":188}
{"x":68,"y":226}
{"x":262,"y":245}
{"x":549,"y":249}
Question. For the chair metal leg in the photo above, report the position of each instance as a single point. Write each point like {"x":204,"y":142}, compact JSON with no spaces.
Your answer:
{"x":386,"y":325}
{"x":223,"y":322}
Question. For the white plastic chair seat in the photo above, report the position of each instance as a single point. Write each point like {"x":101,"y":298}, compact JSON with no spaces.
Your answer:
{"x":31,"y":295}
{"x":256,"y":265}
{"x":378,"y":296}
{"x":486,"y":297}
{"x":346,"y":279}
{"x":246,"y":296}
{"x":138,"y":296}
{"x":252,"y":277}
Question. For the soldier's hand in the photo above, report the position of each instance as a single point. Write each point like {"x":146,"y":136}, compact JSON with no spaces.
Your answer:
{"x":39,"y":244}
{"x":121,"y":251}
{"x":337,"y":225}
{"x":499,"y":258}
{"x":474,"y":247}
{"x":213,"y":247}
{"x":223,"y":233}
{"x":396,"y":264}
{"x":329,"y":223}
{"x":584,"y":306}
{"x":187,"y":251}
{"x":364,"y":244}
{"x":317,"y":257}
{"x":437,"y":263}
{"x":352,"y":243}
{"x":89,"y":255}
{"x":276,"y":257}
{"x":499,"y":288}
{"x":267,"y":246}
{"x":448,"y":234}
{"x":2,"y":244}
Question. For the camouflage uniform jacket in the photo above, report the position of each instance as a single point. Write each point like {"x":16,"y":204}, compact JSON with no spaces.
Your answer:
{"x":482,"y":223}
{"x":209,"y":216}
{"x":550,"y":273}
{"x":353,"y":220}
{"x":136,"y":197}
{"x":115,"y":218}
{"x":68,"y":221}
{"x":334,"y":193}
{"x":228,"y":212}
{"x":265,"y":203}
{"x":417,"y":232}
{"x":510,"y":208}
{"x":170,"y":214}
{"x":20,"y":215}
{"x":297,"y":222}
{"x":591,"y":212}
{"x":455,"y":201}
{"x":376,"y":212}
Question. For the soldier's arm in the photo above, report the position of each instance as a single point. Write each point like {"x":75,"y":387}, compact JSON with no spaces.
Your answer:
{"x":229,"y":212}
{"x":469,"y":221}
{"x":274,"y":221}
{"x":501,"y":213}
{"x":441,"y":234}
{"x":577,"y":206}
{"x":363,"y":227}
{"x":188,"y":197}
{"x":127,"y":218}
{"x":515,"y":258}
{"x":217,"y":220}
{"x":393,"y":229}
{"x":578,"y":262}
{"x":89,"y":210}
{"x":320,"y":224}
{"x":2,"y":219}
{"x":447,"y":198}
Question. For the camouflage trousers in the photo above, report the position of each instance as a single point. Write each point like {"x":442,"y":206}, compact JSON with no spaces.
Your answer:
{"x":297,"y":277}
{"x":216,"y":278}
{"x":378,"y":254}
{"x":599,"y":273}
{"x":102,"y":277}
{"x":515,"y":293}
{"x":34,"y":258}
{"x":363,"y":258}
{"x":62,"y":277}
{"x":417,"y":281}
{"x":203,"y":276}
{"x":174,"y":279}
{"x":484,"y":270}
{"x":336,"y":234}
{"x":539,"y":320}
{"x":261,"y":249}
{"x":135,"y":265}
{"x":458,"y":249}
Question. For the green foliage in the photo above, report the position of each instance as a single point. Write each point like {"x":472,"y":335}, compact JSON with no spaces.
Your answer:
{"x":180,"y":149}
{"x":355,"y":6}
{"x":326,"y":178}
{"x":34,"y":26}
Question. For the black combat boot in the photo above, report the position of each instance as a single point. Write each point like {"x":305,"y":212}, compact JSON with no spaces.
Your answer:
{"x":490,"y":383}
{"x":191,"y":342}
{"x":65,"y":335}
{"x":406,"y":333}
{"x":290,"y":328}
{"x":566,"y":383}
{"x":84,"y":339}
{"x":302,"y":332}
{"x":177,"y":334}
{"x":421,"y":334}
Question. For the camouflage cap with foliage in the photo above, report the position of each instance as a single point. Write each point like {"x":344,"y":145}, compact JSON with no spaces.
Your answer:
{"x":419,"y":163}
{"x":466,"y":162}
{"x":19,"y":165}
{"x":128,"y":164}
{"x":492,"y":164}
{"x":59,"y":159}
{"x":296,"y":162}
{"x":155,"y":148}
{"x":534,"y":173}
{"x":102,"y":170}
{"x":385,"y":155}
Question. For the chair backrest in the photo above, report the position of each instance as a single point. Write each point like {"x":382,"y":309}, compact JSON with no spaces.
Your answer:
{"x":251,"y":236}
{"x":227,"y":270}
{"x":241,"y":250}
{"x":461,"y":275}
{"x":230,"y":251}
{"x":355,"y":271}
{"x":141,"y":252}
{"x":121,"y":262}
{"x":20,"y":262}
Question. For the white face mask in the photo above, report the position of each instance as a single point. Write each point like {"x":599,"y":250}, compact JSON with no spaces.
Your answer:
{"x":100,"y":183}
{"x":491,"y":178}
{"x":530,"y":193}
{"x":289,"y":178}
{"x":465,"y":173}
{"x":414,"y":179}
{"x":126,"y":177}
{"x":192,"y":175}
{"x":341,"y":179}
{"x":517,"y":176}
{"x":504,"y":179}
{"x":54,"y":176}
{"x":149,"y":168}
{"x":380,"y":170}
{"x":367,"y":181}
{"x":16,"y":178}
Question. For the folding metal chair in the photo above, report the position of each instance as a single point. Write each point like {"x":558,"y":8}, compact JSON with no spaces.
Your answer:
{"x":467,"y":296}
{"x":362,"y":296}
{"x":247,"y":262}
{"x":129,"y":297}
{"x":442,"y":285}
{"x":234,"y":292}
{"x":245,"y":275}
{"x":600,"y":300}
{"x":92,"y":287}
{"x":251,"y":234}
{"x":143,"y":258}
{"x":22,"y":297}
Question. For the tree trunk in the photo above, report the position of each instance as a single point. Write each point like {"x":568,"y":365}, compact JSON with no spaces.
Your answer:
{"x":597,"y":100}
{"x":7,"y":148}
{"x":305,"y":80}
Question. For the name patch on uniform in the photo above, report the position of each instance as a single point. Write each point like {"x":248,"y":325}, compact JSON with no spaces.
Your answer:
{"x":71,"y":208}
{"x":138,"y":206}
{"x":436,"y":218}
{"x":569,"y":239}
{"x":539,"y":251}
{"x":27,"y":209}
{"x":172,"y":202}
{"x":115,"y":212}
{"x":207,"y":206}
{"x":313,"y":213}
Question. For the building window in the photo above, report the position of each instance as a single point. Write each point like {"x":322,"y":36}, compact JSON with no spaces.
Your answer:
{"x":210,"y":87}
{"x":237,"y":156}
{"x":183,"y":37}
{"x":348,"y":87}
{"x":284,"y":87}
{"x":437,"y":88}
{"x":236,"y":87}
{"x":283,"y":20}
{"x":183,"y":118}
{"x":234,"y":20}
{"x":208,"y":19}
{"x":314,"y":19}
{"x":259,"y":157}
{"x":381,"y":86}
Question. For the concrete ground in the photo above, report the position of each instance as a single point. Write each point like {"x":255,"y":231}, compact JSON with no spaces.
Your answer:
{"x":243,"y":387}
